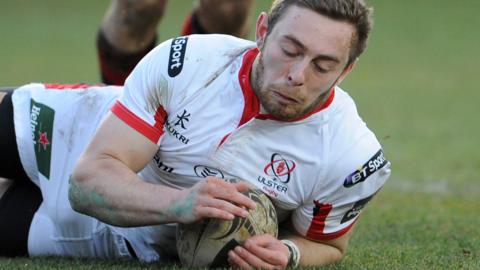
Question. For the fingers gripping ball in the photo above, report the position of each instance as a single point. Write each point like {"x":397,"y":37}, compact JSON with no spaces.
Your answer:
{"x":206,"y":243}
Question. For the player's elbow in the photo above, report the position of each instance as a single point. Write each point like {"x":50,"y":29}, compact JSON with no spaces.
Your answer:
{"x":338,"y":252}
{"x":338,"y":256}
{"x":333,"y":251}
{"x":76,"y":196}
{"x":77,"y":191}
{"x":322,"y":255}
{"x":333,"y":256}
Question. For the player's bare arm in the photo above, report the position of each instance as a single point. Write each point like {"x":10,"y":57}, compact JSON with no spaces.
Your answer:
{"x":268,"y":252}
{"x":105,"y":185}
{"x":319,"y":252}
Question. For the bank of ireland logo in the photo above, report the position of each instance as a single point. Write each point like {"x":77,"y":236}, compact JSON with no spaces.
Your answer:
{"x":280,"y":168}
{"x":41,"y":123}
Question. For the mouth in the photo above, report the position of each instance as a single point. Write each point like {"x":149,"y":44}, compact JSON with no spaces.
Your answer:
{"x":284,"y":99}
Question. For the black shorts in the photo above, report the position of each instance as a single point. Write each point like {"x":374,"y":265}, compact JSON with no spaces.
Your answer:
{"x":23,"y":197}
{"x":10,"y":165}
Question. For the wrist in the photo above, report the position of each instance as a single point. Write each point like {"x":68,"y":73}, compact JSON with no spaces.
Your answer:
{"x":179,"y":207}
{"x":294,"y":253}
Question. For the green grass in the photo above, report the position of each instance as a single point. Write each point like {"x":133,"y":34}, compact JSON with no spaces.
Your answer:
{"x":415,"y":86}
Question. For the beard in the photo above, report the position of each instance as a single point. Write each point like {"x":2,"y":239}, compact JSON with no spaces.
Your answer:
{"x":282,"y":111}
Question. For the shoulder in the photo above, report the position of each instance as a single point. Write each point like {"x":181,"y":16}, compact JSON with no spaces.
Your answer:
{"x":206,"y":53}
{"x":197,"y":51}
{"x":355,"y":155}
{"x":187,"y":61}
{"x":353,"y":169}
{"x":214,"y":43}
{"x":347,"y":128}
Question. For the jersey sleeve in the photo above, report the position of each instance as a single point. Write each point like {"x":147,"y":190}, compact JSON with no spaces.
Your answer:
{"x":351,"y":183}
{"x":149,"y":88}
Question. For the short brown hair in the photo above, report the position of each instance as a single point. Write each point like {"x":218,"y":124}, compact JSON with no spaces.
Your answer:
{"x":354,"y":12}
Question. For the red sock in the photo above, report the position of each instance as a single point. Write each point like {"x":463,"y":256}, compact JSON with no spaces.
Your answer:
{"x":187,"y":25}
{"x":191,"y":25}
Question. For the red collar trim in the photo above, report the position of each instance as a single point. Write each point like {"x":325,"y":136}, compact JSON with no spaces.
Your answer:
{"x":252,"y":104}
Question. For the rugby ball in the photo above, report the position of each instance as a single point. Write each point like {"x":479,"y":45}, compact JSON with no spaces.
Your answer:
{"x":206,"y":243}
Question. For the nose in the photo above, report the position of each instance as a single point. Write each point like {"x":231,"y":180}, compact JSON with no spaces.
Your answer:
{"x":296,"y":74}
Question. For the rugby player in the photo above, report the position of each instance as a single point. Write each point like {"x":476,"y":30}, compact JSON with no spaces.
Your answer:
{"x":195,"y":110}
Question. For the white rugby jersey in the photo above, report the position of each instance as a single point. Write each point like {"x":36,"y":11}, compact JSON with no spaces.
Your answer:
{"x":192,"y":97}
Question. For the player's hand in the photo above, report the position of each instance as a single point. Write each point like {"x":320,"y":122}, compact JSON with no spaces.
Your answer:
{"x":260,"y":252}
{"x":211,"y":198}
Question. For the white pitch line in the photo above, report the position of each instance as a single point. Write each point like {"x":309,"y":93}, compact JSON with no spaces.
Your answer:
{"x":439,"y":187}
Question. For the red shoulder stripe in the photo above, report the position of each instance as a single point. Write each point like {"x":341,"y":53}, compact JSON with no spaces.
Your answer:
{"x":152,"y":132}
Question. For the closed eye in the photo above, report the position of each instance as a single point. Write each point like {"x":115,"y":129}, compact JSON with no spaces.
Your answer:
{"x":289,"y":53}
{"x":320,"y":69}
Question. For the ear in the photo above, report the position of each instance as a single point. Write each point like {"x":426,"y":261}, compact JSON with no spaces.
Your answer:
{"x":261,"y":29}
{"x":346,"y":71}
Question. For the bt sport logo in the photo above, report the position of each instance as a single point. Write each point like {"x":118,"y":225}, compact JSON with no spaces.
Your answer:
{"x":374,"y":164}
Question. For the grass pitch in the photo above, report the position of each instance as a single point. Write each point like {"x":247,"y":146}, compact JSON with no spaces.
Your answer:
{"x":415,"y":86}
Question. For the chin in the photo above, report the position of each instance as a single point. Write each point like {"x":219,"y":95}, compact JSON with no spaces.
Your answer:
{"x":285,"y":116}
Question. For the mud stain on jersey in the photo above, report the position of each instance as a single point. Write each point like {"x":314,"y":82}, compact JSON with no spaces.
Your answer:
{"x":61,"y":132}
{"x":89,"y":104}
{"x":232,"y":56}
{"x":158,"y":97}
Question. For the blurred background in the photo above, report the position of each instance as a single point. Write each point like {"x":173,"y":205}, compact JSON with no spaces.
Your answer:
{"x":414,"y":86}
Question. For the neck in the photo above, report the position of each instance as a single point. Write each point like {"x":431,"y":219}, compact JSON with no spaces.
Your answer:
{"x":255,"y":80}
{"x":254,"y":74}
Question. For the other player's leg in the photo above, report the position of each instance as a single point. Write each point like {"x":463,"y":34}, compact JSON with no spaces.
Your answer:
{"x":10,"y":167}
{"x":127,"y":33}
{"x":4,"y":183}
{"x":19,"y":197}
{"x":219,"y":16}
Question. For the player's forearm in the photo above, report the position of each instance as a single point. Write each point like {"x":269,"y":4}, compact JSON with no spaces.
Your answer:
{"x":108,"y":190}
{"x":316,"y":253}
